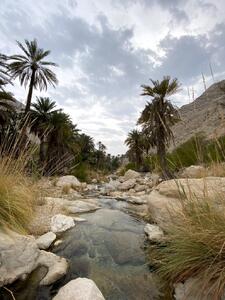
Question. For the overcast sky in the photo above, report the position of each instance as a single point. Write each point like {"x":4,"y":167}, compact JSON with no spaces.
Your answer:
{"x":106,"y":49}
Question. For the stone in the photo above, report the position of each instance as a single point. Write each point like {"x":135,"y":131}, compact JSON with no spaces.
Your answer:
{"x":68,"y":180}
{"x":140,"y":187}
{"x":79,"y":289}
{"x":57,"y":267}
{"x":94,"y":181}
{"x":76,"y":219}
{"x":193,"y":172}
{"x":127,"y":185}
{"x":45,"y":240}
{"x":61,"y":223}
{"x":167,"y":196}
{"x":131,"y":174}
{"x":118,"y":241}
{"x":79,"y":206}
{"x":137,"y":200}
{"x":154,"y":233}
{"x":20,"y":255}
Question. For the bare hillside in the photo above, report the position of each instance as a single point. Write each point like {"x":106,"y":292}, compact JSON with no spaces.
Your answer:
{"x":206,"y":114}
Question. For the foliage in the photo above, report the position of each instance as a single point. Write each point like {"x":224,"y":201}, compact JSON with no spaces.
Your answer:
{"x":159,"y":116}
{"x":31,"y":68}
{"x":195,"y":245}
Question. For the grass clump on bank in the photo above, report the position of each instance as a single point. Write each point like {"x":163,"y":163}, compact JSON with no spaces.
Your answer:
{"x":196,"y":247}
{"x":16,"y":197}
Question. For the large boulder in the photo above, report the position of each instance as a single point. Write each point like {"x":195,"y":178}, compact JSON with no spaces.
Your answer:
{"x":79,"y":289}
{"x":131,"y":174}
{"x":154,"y":233}
{"x":44,"y":241}
{"x":68,"y":180}
{"x":61,"y":223}
{"x":168,"y":195}
{"x":20,"y":255}
{"x":128,"y":184}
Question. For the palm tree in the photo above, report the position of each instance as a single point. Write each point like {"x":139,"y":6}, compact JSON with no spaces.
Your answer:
{"x":135,"y":143}
{"x":41,"y":122}
{"x":31,"y":68}
{"x":4,"y":76}
{"x":159,"y":115}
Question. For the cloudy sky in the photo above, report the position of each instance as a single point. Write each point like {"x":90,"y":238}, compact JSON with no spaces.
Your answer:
{"x":106,"y":49}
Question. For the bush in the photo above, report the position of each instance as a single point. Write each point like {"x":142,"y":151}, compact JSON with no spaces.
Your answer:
{"x":16,"y":197}
{"x":81,"y":171}
{"x":196,"y":246}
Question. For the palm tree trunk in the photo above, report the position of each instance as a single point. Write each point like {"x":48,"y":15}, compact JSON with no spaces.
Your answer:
{"x":30,"y":92}
{"x":161,"y":153}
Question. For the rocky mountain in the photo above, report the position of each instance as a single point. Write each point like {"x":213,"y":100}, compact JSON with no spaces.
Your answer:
{"x":206,"y":115}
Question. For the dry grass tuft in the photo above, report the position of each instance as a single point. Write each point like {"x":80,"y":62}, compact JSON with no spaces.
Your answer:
{"x":196,"y":246}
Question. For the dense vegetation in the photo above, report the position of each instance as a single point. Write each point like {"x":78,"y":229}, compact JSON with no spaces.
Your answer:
{"x":63,"y":148}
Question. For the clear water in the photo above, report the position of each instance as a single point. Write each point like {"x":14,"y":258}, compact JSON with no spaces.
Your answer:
{"x":108,"y":248}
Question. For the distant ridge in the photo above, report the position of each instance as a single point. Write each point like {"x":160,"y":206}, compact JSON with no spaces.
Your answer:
{"x":204,"y":115}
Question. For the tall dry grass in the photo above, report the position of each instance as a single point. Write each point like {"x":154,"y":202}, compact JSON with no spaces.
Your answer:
{"x":195,"y":246}
{"x":17,"y":189}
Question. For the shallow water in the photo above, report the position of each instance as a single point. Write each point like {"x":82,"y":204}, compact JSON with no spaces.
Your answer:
{"x":107,"y":248}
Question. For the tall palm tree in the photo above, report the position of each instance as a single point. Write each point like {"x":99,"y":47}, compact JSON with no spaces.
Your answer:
{"x":135,"y":143}
{"x":4,"y":75}
{"x":31,"y":68}
{"x":41,"y":122}
{"x":159,"y":115}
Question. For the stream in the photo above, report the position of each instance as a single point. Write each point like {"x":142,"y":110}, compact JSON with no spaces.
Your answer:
{"x":109,"y":249}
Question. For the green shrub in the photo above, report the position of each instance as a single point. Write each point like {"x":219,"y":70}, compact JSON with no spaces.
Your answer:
{"x":81,"y":171}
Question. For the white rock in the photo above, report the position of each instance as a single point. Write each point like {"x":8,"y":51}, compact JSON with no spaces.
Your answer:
{"x":57,"y":267}
{"x":127,"y":185}
{"x":94,"y":180}
{"x":68,"y":180}
{"x":131,"y":174}
{"x":45,"y":240}
{"x":60,"y":223}
{"x":79,"y":289}
{"x":20,"y":255}
{"x":79,"y":206}
{"x":154,"y":232}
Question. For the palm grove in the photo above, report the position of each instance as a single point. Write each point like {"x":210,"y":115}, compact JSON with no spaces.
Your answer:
{"x":62,"y":145}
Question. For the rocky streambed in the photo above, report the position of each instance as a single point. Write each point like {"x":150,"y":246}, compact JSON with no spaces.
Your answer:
{"x":108,"y":248}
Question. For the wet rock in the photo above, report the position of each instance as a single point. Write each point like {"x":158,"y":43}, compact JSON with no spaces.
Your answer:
{"x":45,"y":240}
{"x":61,"y":223}
{"x":154,"y":232}
{"x":20,"y":255}
{"x":79,"y":206}
{"x":57,"y":267}
{"x":123,"y":248}
{"x":79,"y":289}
